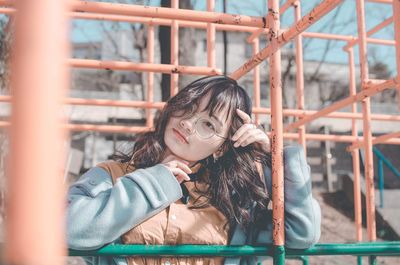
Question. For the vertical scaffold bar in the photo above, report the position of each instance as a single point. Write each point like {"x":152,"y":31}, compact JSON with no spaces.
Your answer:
{"x":256,"y":80}
{"x":396,"y":24}
{"x":300,"y":75}
{"x":354,"y":152}
{"x":174,"y":49}
{"x":39,"y":80}
{"x":277,"y":138}
{"x":150,"y":75}
{"x":210,"y":37}
{"x":369,"y":166}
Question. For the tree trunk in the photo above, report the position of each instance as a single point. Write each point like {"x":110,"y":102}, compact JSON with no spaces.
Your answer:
{"x":164,"y":38}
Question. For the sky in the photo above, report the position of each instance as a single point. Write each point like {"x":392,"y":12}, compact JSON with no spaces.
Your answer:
{"x":344,"y":18}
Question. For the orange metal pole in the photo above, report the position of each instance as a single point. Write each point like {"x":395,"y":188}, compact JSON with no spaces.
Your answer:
{"x":277,"y":41}
{"x":35,"y":198}
{"x":163,"y":12}
{"x":256,"y":81}
{"x":380,"y":1}
{"x":286,"y":5}
{"x":365,"y":93}
{"x":160,"y":105}
{"x":384,"y":138}
{"x":369,"y":166}
{"x":153,"y":21}
{"x":354,"y":154}
{"x":143,"y":67}
{"x":210,"y":37}
{"x":372,"y":31}
{"x":276,"y":128}
{"x":291,"y":136}
{"x":256,"y":34}
{"x":335,"y":138}
{"x":174,"y":49}
{"x":396,"y":22}
{"x":378,"y":140}
{"x":327,"y":36}
{"x":300,"y":75}
{"x":150,"y":75}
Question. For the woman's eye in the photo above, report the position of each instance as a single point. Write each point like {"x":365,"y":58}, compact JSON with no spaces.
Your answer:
{"x":210,"y":125}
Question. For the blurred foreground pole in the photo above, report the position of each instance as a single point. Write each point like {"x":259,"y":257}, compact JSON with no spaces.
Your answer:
{"x":34,"y":228}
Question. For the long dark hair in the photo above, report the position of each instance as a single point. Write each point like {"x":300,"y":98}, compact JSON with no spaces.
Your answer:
{"x":234,"y":182}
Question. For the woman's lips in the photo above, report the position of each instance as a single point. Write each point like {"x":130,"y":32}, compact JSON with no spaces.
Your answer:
{"x":180,"y":136}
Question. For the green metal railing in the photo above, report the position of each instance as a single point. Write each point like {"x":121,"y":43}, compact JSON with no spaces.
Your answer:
{"x":358,"y":249}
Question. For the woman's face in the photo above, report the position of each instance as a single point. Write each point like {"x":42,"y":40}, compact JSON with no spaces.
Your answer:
{"x":188,"y":136}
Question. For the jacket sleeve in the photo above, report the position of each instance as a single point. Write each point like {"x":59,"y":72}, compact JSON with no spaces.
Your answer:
{"x":100,"y":212}
{"x":302,"y":211}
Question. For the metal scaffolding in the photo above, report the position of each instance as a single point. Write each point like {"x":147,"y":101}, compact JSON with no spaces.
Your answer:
{"x":39,"y":84}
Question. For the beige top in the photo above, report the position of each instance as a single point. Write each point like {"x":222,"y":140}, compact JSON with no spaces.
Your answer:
{"x":177,"y":224}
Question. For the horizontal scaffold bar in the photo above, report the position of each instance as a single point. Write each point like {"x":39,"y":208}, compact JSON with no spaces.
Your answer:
{"x":161,"y":12}
{"x":144,"y":67}
{"x":373,"y":248}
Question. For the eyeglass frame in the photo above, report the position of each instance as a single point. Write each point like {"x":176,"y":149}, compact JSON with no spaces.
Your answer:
{"x":195,"y":114}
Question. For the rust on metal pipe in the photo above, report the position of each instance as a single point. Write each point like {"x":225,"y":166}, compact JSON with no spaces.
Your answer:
{"x":163,"y":12}
{"x":174,"y":49}
{"x":276,"y":129}
{"x":143,"y":67}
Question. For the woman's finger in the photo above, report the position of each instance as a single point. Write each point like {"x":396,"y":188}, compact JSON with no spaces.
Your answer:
{"x":250,"y":137}
{"x":247,"y":136}
{"x":180,"y":174}
{"x":184,"y":167}
{"x":244,"y":116}
{"x":242,"y":130}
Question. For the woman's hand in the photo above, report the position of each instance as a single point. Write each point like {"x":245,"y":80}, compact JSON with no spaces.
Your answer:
{"x":248,"y":133}
{"x":178,"y":167}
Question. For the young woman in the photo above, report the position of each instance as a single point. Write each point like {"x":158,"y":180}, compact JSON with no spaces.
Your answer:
{"x":193,"y":180}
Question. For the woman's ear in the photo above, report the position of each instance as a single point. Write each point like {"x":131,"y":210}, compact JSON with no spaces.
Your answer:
{"x":217,"y":154}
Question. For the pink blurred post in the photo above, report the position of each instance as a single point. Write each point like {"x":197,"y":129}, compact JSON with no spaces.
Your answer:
{"x":300,"y":75}
{"x":354,"y":153}
{"x":276,"y":128}
{"x":174,"y":49}
{"x":35,"y":204}
{"x":369,"y":166}
{"x":150,"y":75}
{"x":396,"y":23}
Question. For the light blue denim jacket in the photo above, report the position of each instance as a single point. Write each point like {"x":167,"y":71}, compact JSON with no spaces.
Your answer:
{"x":100,"y":212}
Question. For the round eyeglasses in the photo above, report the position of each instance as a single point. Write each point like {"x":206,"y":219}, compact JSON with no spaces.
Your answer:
{"x":204,"y":127}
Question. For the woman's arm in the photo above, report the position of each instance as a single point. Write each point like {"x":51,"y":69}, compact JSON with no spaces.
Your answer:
{"x":99,"y":212}
{"x":302,"y":211}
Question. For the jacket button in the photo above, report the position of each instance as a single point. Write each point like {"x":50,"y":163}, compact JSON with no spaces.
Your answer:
{"x":92,"y":182}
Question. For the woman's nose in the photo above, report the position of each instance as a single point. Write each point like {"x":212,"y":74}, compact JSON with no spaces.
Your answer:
{"x":187,"y":125}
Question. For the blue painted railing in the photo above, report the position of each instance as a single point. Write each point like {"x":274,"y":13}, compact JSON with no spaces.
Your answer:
{"x":382,"y":160}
